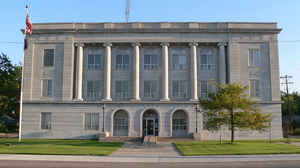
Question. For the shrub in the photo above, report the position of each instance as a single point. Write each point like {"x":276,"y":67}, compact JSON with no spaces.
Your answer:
{"x":2,"y":127}
{"x":297,"y":131}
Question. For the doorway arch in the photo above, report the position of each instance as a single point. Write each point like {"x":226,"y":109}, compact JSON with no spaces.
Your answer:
{"x":179,"y":124}
{"x":120,"y":123}
{"x":150,"y":123}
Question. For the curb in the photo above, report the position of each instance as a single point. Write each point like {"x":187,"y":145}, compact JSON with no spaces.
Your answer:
{"x":153,"y":159}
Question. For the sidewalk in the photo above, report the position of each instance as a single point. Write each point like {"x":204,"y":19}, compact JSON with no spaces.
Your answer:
{"x":131,"y":149}
{"x":153,"y":159}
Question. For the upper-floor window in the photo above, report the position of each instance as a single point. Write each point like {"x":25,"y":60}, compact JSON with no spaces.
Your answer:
{"x":205,"y":87}
{"x":47,"y":88}
{"x":122,"y":62}
{"x":93,"y":89}
{"x":48,"y":57}
{"x":122,"y":89}
{"x":206,"y":60}
{"x":254,"y":57}
{"x":95,"y":62}
{"x":150,"y":61}
{"x":91,"y":121}
{"x":179,"y":89}
{"x":179,"y":62}
{"x":254,"y":88}
{"x":46,"y":120}
{"x":150,"y":89}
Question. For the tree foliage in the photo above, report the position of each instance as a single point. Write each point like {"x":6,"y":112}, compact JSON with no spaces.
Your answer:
{"x":10,"y":84}
{"x":295,"y":103}
{"x":231,"y":106}
{"x":295,"y":107}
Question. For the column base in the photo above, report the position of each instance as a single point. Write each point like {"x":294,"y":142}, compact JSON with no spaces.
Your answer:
{"x":164,"y":99}
{"x":137,"y":100}
{"x":194,"y":100}
{"x":106,"y":99}
{"x":77,"y":99}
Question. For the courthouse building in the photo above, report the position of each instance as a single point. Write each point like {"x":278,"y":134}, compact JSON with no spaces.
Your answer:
{"x":135,"y":79}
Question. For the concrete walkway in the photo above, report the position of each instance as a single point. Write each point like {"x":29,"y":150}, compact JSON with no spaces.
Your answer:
{"x":153,"y":159}
{"x":132,"y":149}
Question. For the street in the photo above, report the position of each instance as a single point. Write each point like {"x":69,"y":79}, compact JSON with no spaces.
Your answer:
{"x":52,"y":164}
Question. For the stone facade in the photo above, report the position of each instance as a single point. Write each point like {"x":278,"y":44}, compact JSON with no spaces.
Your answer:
{"x":151,"y":72}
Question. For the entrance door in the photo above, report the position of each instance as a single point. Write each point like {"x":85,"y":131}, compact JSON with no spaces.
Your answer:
{"x":150,"y":127}
{"x":150,"y":123}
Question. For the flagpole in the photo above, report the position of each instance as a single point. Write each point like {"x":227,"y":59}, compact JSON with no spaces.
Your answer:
{"x":21,"y":95}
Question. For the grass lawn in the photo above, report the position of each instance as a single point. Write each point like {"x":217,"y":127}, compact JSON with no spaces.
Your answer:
{"x":58,"y":147}
{"x":239,"y":148}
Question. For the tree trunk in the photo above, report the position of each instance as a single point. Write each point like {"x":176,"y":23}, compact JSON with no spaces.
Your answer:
{"x":232,"y":126}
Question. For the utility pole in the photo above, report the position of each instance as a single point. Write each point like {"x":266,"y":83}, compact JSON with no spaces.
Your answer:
{"x":127,"y":11}
{"x":286,"y":83}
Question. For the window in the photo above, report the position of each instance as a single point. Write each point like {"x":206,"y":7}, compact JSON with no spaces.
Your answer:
{"x":254,"y":57}
{"x":122,"y":62}
{"x":46,"y":120}
{"x":206,"y":61}
{"x":94,"y":62}
{"x":150,"y":89}
{"x":254,"y":88}
{"x":93,"y":89}
{"x":203,"y":89}
{"x":47,"y":88}
{"x":179,"y":62}
{"x":48,"y":57}
{"x":122,"y":89}
{"x":150,"y":62}
{"x":180,"y":89}
{"x":91,"y":121}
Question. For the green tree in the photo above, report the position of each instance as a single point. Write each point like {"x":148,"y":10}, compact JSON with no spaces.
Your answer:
{"x":294,"y":104}
{"x":10,"y":82}
{"x":231,"y":106}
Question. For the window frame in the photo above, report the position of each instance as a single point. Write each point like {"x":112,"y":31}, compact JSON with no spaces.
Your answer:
{"x":94,"y":94}
{"x":122,"y":65}
{"x":254,"y":59}
{"x":47,"y":88}
{"x":43,"y":125}
{"x":210,"y":64}
{"x":44,"y":57}
{"x":90,"y":126}
{"x":257,"y":88}
{"x":181,"y":91}
{"x":151,"y":65}
{"x":93,"y":66}
{"x":153,"y":89}
{"x":124,"y":89}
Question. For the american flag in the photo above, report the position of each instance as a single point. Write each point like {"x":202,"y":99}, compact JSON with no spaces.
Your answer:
{"x":28,"y":28}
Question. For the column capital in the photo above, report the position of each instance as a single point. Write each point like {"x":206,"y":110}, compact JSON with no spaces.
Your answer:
{"x":136,"y":44}
{"x":222,"y":44}
{"x":164,"y":44}
{"x":107,"y":44}
{"x":79,"y":44}
{"x":193,"y":44}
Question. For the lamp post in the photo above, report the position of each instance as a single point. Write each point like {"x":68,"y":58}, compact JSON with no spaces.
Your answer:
{"x":103,"y":110}
{"x":196,"y":110}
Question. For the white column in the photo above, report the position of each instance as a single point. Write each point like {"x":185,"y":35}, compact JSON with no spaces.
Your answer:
{"x":165,"y":72}
{"x":80,"y":70}
{"x":222,"y":63}
{"x":107,"y":79}
{"x":193,"y":72}
{"x":136,"y":71}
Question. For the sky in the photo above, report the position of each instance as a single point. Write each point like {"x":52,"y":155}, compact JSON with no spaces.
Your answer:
{"x":285,"y":12}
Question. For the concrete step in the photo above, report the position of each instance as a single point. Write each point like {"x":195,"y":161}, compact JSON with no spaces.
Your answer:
{"x":120,"y":139}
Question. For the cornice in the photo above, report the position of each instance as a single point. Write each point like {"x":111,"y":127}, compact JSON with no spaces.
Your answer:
{"x":161,"y":30}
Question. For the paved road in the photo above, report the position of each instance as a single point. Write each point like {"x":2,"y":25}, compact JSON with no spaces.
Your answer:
{"x":51,"y":164}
